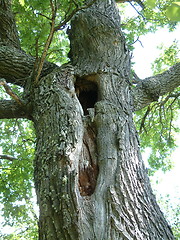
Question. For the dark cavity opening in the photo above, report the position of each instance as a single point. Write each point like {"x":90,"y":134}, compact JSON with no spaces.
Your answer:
{"x":87,"y":93}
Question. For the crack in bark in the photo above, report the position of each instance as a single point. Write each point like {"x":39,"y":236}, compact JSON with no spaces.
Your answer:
{"x":88,"y":166}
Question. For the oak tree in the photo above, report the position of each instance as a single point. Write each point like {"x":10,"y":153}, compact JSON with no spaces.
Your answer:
{"x":90,"y":180}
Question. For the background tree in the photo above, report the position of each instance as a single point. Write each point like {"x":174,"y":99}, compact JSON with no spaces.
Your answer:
{"x":88,"y":169}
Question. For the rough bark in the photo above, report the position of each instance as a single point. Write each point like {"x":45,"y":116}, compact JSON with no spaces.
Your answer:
{"x":17,"y":67}
{"x":90,"y":180}
{"x":11,"y":109}
{"x":150,"y":89}
{"x":8,"y":31}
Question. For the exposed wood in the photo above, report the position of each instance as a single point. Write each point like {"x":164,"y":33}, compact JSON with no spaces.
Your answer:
{"x":92,"y":185}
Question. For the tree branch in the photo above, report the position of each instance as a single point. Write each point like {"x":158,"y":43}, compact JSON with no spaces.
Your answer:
{"x":62,"y":24}
{"x":11,"y":109}
{"x":16,"y":66}
{"x":53,"y":29}
{"x":8,"y":30}
{"x":151,"y":88}
{"x":7,"y":157}
{"x":10,"y":92}
{"x":141,"y":4}
{"x":48,"y":41}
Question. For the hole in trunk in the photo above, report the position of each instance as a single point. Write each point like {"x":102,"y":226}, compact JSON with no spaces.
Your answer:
{"x":87,"y":180}
{"x":87,"y":93}
{"x":88,"y":167}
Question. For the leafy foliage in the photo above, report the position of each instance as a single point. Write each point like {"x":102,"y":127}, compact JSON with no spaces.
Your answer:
{"x":17,"y":136}
{"x":37,"y":16}
{"x":167,"y":58}
{"x":173,"y":11}
{"x":143,"y":21}
{"x":17,"y":174}
{"x":172,"y":213}
{"x":158,"y":120}
{"x":171,"y":209}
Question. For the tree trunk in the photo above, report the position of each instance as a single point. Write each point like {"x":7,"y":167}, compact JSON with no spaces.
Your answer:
{"x":90,"y":180}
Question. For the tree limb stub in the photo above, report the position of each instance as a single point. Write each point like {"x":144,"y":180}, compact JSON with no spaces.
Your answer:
{"x":151,"y":88}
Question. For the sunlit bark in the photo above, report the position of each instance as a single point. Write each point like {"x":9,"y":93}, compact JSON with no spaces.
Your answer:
{"x":90,"y":180}
{"x":150,"y":89}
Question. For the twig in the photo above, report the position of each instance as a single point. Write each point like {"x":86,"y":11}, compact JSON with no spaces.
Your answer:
{"x":173,"y":95}
{"x":142,"y":126}
{"x":136,"y":79}
{"x":137,"y":1}
{"x":137,"y":11}
{"x":68,"y":18}
{"x":48,"y":42}
{"x":53,"y":29}
{"x":7,"y":157}
{"x":75,"y":3}
{"x":10,"y":92}
{"x":41,"y":14}
{"x":137,"y":40}
{"x":141,"y":4}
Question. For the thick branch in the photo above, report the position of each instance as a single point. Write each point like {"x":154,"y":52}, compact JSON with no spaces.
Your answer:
{"x":151,"y":88}
{"x":11,"y":109}
{"x":16,"y":66}
{"x":8,"y":31}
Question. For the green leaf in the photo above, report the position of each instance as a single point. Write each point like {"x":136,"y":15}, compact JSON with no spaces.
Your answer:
{"x":22,"y":2}
{"x":151,"y":3}
{"x":173,"y":12}
{"x":178,"y":3}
